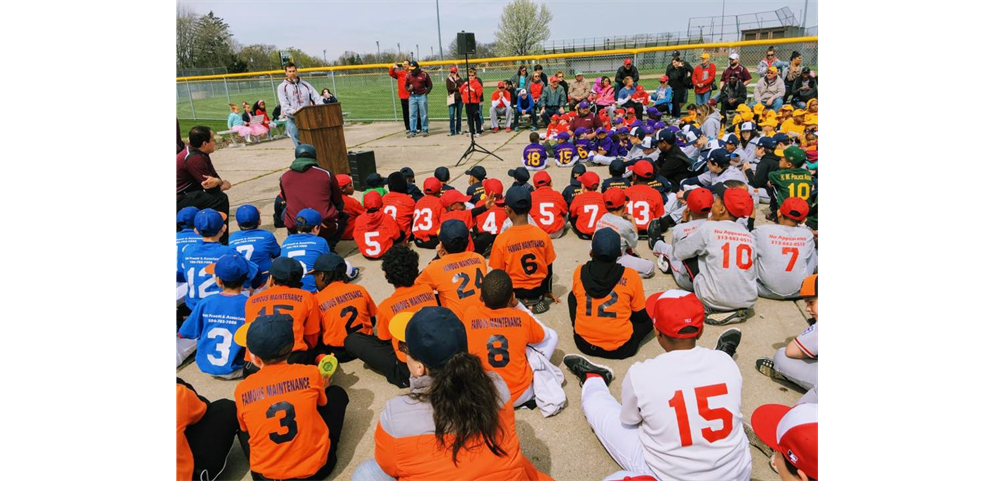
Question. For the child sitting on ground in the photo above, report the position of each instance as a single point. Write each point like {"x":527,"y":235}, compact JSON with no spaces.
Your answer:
{"x":534,"y":156}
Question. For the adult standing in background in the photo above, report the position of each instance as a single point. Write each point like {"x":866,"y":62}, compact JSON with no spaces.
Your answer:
{"x":197,"y":182}
{"x":579,"y":90}
{"x":703,"y":79}
{"x":455,"y":101}
{"x":679,"y":78}
{"x":418,"y":84}
{"x":294,"y":94}
{"x":626,"y":70}
{"x":737,"y":69}
{"x":400,"y":72}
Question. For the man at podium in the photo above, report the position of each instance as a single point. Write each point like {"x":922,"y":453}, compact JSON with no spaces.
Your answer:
{"x":295,"y":94}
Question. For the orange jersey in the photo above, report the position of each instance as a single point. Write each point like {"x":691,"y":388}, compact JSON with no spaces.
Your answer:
{"x":278,"y":407}
{"x":525,"y":253}
{"x":605,"y":322}
{"x":427,"y":215}
{"x":491,"y":220}
{"x":404,"y":299}
{"x":458,"y":278}
{"x":645,"y":204}
{"x":375,"y":233}
{"x":401,"y":207}
{"x":586,"y":209}
{"x":298,"y":303}
{"x":462,"y":215}
{"x":189,"y":410}
{"x":498,"y":337}
{"x":549,"y":209}
{"x":354,"y":209}
{"x":345,"y":309}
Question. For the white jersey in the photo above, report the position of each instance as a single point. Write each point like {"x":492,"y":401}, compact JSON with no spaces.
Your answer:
{"x":687,"y":406}
{"x":685,"y":229}
{"x":726,"y":278}
{"x":710,"y":178}
{"x":622,"y":226}
{"x":785,"y":257}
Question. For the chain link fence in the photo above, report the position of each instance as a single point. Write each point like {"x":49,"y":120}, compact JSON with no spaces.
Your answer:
{"x":370,"y":94}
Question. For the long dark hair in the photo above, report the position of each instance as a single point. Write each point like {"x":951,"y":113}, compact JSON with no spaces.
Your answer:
{"x":256,"y":107}
{"x":465,"y":404}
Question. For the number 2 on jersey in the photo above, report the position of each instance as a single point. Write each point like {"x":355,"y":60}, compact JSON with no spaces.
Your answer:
{"x":701,"y":395}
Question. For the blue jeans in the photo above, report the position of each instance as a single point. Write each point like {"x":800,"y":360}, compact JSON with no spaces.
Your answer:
{"x":700,"y":99}
{"x":292,"y":131}
{"x":456,"y":117}
{"x":778,"y":102}
{"x":419,"y":110}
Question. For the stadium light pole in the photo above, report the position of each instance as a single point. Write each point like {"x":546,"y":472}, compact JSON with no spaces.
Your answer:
{"x":805,"y":17}
{"x":438,"y":25}
{"x":723,"y":21}
{"x":418,"y":49}
{"x":399,"y":51}
{"x":378,"y":52}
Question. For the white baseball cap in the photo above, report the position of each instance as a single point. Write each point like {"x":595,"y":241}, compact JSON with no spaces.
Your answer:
{"x":794,"y":432}
{"x":746,"y":126}
{"x":734,"y":55}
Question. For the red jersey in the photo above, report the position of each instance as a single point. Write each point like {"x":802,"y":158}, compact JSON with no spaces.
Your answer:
{"x":548,"y":209}
{"x":463,"y":215}
{"x":645,"y":204}
{"x":401,"y":207}
{"x":491,"y":220}
{"x":427,"y":217}
{"x":375,"y":233}
{"x":354,"y":209}
{"x":585,"y":211}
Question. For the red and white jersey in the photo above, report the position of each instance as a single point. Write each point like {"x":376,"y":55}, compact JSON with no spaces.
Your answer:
{"x":491,"y":219}
{"x":426,"y":217}
{"x":687,"y":406}
{"x":549,"y":209}
{"x":645,"y":204}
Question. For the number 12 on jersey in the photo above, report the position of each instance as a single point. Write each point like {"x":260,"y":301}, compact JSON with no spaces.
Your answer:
{"x":701,"y":395}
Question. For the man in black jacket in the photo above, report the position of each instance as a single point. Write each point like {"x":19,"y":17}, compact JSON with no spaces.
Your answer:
{"x":673,"y":163}
{"x":679,"y":74}
{"x":733,"y":93}
{"x":626,"y":70}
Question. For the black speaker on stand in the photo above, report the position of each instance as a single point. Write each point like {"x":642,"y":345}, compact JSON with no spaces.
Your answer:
{"x":466,"y":45}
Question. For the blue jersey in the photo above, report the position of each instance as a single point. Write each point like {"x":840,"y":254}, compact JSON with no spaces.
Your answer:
{"x":662,"y":185}
{"x":534,"y":156}
{"x":213,"y":323}
{"x":200,"y":284}
{"x":572,"y":189}
{"x":564,"y":153}
{"x":584,"y":147}
{"x":619,"y":182}
{"x":305,"y":248}
{"x":258,"y":246}
{"x":184,"y":238}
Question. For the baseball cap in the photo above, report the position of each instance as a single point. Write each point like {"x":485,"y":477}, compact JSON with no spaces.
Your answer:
{"x":588,"y":179}
{"x":806,"y":70}
{"x":692,"y":133}
{"x":372,"y":200}
{"x":433,"y":335}
{"x":451,"y":197}
{"x":668,"y":136}
{"x":442,"y":173}
{"x":795,"y":155}
{"x":623,"y":129}
{"x":614,"y":198}
{"x":794,"y":208}
{"x":375,"y":180}
{"x":581,"y":131}
{"x":577,"y":170}
{"x":606,"y":245}
{"x":772,"y":70}
{"x":798,"y":113}
{"x":518,"y":198}
{"x":397,"y":183}
{"x":719,"y":156}
{"x":674,"y":310}
{"x":308,"y":217}
{"x":328,"y":262}
{"x":706,"y":56}
{"x":407,"y":172}
{"x":617,"y":167}
{"x":738,"y":201}
{"x":810,"y":286}
{"x":746,"y":126}
{"x":493,"y":186}
{"x":787,"y":107}
{"x":676,"y":54}
{"x":630,"y":110}
{"x":186,"y":216}
{"x":285,"y":269}
{"x":648,"y":143}
{"x":730,"y":138}
{"x":628,"y":61}
{"x":555,"y":117}
{"x":638,"y":131}
{"x":652,"y":111}
{"x":520,"y":174}
{"x":453,"y":69}
{"x":643,"y":169}
{"x":247,"y":215}
{"x":231,"y":267}
{"x":501,"y":84}
{"x":664,"y":78}
{"x":414,"y":64}
{"x":454,"y":235}
{"x":600,"y":130}
{"x":343,"y":180}
{"x":734,"y":56}
{"x":767,"y":142}
{"x":542,"y":178}
{"x":792,"y":431}
{"x":700,"y":200}
{"x":781,"y":138}
{"x":563,"y":136}
{"x":432,"y":185}
{"x":208,"y":222}
{"x":583,"y":105}
{"x":269,"y":337}
{"x":477,"y":171}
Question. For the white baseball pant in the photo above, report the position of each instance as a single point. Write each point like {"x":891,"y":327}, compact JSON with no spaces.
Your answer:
{"x":619,"y":439}
{"x":803,"y":372}
{"x":600,"y":159}
{"x":568,"y":164}
{"x":681,"y":275}
{"x":642,"y":266}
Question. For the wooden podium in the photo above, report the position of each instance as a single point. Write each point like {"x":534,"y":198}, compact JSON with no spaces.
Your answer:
{"x":321,"y":126}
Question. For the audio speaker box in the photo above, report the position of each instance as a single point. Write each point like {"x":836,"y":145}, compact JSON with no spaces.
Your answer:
{"x":362,"y":163}
{"x":466,"y":44}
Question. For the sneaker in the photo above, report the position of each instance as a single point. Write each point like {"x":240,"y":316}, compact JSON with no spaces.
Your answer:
{"x":410,"y":134}
{"x":663,"y":264}
{"x":495,"y":130}
{"x":540,"y":306}
{"x":451,"y":134}
{"x":765,"y":366}
{"x":729,"y":341}
{"x":424,"y":134}
{"x":508,"y":129}
{"x":532,"y":129}
{"x":756,"y":442}
{"x":353,"y":274}
{"x":653,"y":232}
{"x":734,"y":317}
{"x":581,"y":366}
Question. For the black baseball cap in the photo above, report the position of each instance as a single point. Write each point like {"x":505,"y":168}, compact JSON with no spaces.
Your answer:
{"x":287,"y":270}
{"x":407,"y":172}
{"x":270,"y":337}
{"x":520,"y":174}
{"x":667,"y":135}
{"x":578,"y":170}
{"x":518,"y":198}
{"x":397,"y":183}
{"x":433,"y":335}
{"x":328,"y":262}
{"x":617,"y":167}
{"x":375,"y":180}
{"x":478,"y":172}
{"x":454,"y":235}
{"x":442,"y":173}
{"x":675,"y":54}
{"x":606,"y":245}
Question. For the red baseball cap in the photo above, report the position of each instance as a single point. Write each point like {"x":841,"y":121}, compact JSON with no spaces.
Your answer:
{"x":700,"y":200}
{"x":674,"y":310}
{"x":644,"y":169}
{"x":501,"y":83}
{"x":453,"y":69}
{"x":664,"y":78}
{"x":555,"y":117}
{"x":372,"y":200}
{"x":614,"y":198}
{"x":451,"y":197}
{"x":343,"y":180}
{"x":630,"y":110}
{"x":794,"y":432}
{"x":794,"y":208}
{"x":588,"y":179}
{"x":639,"y":88}
{"x":432,"y":185}
{"x":541,"y":179}
{"x":738,"y":201}
{"x":628,"y":61}
{"x":493,"y":186}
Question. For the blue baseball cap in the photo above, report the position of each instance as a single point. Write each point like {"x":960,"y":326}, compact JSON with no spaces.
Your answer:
{"x":767,"y":142}
{"x":606,"y":245}
{"x":407,"y":172}
{"x":442,"y":173}
{"x":286,"y":270}
{"x":638,"y":131}
{"x":186,"y":216}
{"x":577,"y":170}
{"x":622,"y":130}
{"x":375,"y":180}
{"x":718,"y":156}
{"x":454,"y":235}
{"x":208,"y":222}
{"x":329,"y":262}
{"x":731,"y":138}
{"x":308,"y":217}
{"x":247,"y":215}
{"x":520,"y":174}
{"x":434,"y":335}
{"x":518,"y":198}
{"x":782,"y":138}
{"x":580,"y":131}
{"x":270,"y":337}
{"x":583,"y":105}
{"x":600,"y":130}
{"x":477,"y":171}
{"x":667,"y":135}
{"x":231,"y":267}
{"x":617,"y":120}
{"x":652,"y":111}
{"x":563,"y":136}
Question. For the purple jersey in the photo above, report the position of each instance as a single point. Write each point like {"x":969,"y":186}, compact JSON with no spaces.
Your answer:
{"x":624,"y":144}
{"x":606,"y":144}
{"x":534,"y":156}
{"x":584,"y":148}
{"x":564,"y":153}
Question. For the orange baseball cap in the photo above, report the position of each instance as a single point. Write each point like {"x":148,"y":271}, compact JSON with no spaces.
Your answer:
{"x":674,"y":310}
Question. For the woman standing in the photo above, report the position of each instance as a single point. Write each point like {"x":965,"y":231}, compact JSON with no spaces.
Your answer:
{"x":471,"y":93}
{"x":703,"y":79}
{"x":455,"y":102}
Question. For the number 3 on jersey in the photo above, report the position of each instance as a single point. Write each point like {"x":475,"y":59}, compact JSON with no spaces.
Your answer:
{"x":701,"y":395}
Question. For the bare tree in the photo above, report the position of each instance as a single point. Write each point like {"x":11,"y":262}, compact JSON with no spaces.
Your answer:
{"x":524,"y":27}
{"x":186,"y":20}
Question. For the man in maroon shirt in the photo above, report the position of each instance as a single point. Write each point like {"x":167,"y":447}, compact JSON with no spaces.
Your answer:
{"x":737,"y":69}
{"x":585,"y":119}
{"x":197,"y":183}
{"x":308,"y":185}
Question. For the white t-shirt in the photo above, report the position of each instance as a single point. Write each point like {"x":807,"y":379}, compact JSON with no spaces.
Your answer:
{"x":662,"y":396}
